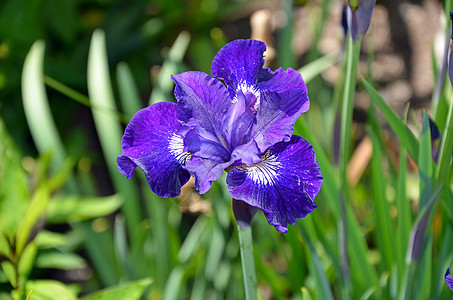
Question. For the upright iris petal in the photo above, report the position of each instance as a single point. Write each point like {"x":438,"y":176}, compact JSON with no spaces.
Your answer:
{"x":152,"y":142}
{"x":239,"y":64}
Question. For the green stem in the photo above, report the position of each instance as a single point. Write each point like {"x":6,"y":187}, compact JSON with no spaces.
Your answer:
{"x":347,"y":105}
{"x":248,"y":263}
{"x":446,"y":148}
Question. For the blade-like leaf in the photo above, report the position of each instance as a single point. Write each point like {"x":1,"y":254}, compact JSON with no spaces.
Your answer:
{"x":408,"y":140}
{"x":108,"y":125}
{"x":36,"y":106}
{"x":66,"y":209}
{"x":34,"y":213}
{"x":128,"y":291}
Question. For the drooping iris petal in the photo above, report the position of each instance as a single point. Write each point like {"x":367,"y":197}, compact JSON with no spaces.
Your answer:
{"x":209,"y":158}
{"x":239,"y":64}
{"x":202,"y":100}
{"x":151,"y":141}
{"x":283,"y":185}
{"x":277,"y":114}
{"x":449,"y":279}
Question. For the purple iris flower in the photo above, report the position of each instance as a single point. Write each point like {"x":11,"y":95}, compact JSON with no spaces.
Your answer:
{"x":449,"y":280}
{"x":241,"y":120}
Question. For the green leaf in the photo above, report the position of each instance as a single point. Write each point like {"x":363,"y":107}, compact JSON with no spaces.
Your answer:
{"x":48,"y":239}
{"x":49,"y":290}
{"x":5,"y":247}
{"x":64,"y":209}
{"x":384,"y":222}
{"x":10,"y":272}
{"x":425,"y":164}
{"x":60,"y":260}
{"x":173,"y":286}
{"x":446,"y":148}
{"x":26,"y":262}
{"x":322,"y":286}
{"x":128,"y":291}
{"x":408,"y":140}
{"x":162,"y":89}
{"x":34,"y":213}
{"x":130,"y":100}
{"x":318,"y":66}
{"x":14,"y":197}
{"x":36,"y":106}
{"x":108,"y":126}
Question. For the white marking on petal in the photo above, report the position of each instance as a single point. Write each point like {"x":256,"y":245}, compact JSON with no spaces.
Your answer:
{"x":245,"y":88}
{"x":265,"y":172}
{"x":176,"y":147}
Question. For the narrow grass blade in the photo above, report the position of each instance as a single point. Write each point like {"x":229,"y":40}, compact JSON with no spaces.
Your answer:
{"x":408,"y":140}
{"x":286,"y":57}
{"x":422,"y":284}
{"x":36,"y":106}
{"x":174,"y":284}
{"x":318,"y":66}
{"x":129,"y":97}
{"x":107,"y":125}
{"x":347,"y":105}
{"x":128,"y":291}
{"x":322,"y":286}
{"x":404,"y":216}
{"x":162,"y":89}
{"x":363,"y":273}
{"x":34,"y":213}
{"x":445,"y":153}
{"x":384,"y":222}
{"x":425,"y":164}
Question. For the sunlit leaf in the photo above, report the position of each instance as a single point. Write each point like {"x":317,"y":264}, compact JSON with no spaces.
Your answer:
{"x":49,"y":290}
{"x":34,"y":213}
{"x":60,"y":260}
{"x":62,"y":209}
{"x":128,"y":291}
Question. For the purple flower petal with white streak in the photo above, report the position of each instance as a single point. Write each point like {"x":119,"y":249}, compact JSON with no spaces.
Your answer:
{"x":239,"y":64}
{"x":209,"y":158}
{"x":151,"y":141}
{"x":449,"y":279}
{"x":276,"y":116}
{"x":283,"y":185}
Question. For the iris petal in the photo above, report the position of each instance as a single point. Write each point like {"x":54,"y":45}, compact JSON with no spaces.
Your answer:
{"x":280,"y":80}
{"x":276,"y":116}
{"x":283,"y":185}
{"x":449,"y":279}
{"x":202,"y":100}
{"x":152,"y":142}
{"x":239,"y":64}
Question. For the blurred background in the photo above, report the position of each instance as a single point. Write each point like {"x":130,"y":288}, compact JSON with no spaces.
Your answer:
{"x":98,"y":230}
